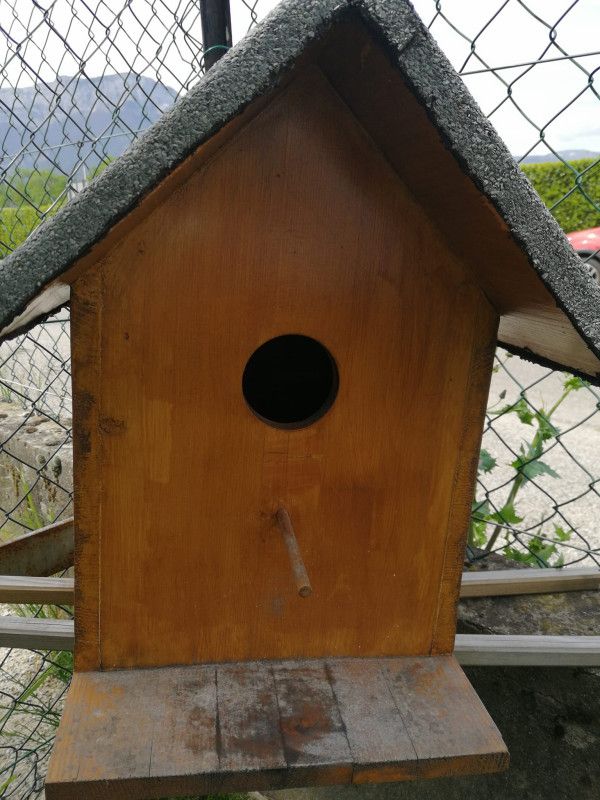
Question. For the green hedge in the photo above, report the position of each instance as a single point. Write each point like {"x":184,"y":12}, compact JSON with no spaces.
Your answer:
{"x":15,"y":226}
{"x":554,"y":180}
{"x":18,"y":217}
{"x":39,"y":187}
{"x":22,"y":194}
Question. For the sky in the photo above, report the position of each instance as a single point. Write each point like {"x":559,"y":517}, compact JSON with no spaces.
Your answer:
{"x":557,"y":97}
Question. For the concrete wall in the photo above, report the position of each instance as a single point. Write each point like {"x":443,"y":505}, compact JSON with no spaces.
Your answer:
{"x":36,"y":459}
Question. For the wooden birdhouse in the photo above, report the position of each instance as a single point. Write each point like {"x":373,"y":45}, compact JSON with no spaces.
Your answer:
{"x":285,"y":300}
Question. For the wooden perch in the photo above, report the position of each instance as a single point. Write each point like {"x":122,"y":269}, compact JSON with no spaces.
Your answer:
{"x":291,"y":543}
{"x":43,"y":552}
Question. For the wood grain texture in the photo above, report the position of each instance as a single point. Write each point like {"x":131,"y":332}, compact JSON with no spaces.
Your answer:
{"x":194,"y":730}
{"x":150,"y":733}
{"x":46,"y":591}
{"x":307,"y":705}
{"x":190,"y":479}
{"x":380,"y":742}
{"x":374,"y":89}
{"x":249,"y":735}
{"x":43,"y":552}
{"x":459,"y":512}
{"x":88,"y":464}
{"x":431,"y":692}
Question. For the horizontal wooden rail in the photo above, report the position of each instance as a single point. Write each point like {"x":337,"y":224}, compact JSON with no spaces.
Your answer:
{"x":527,"y":651}
{"x":48,"y":591}
{"x":43,"y":552}
{"x":31,"y":633}
{"x":474,"y":584}
{"x":492,"y":583}
{"x":470,"y":649}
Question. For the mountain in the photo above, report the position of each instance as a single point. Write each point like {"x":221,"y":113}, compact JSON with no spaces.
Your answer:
{"x":69,"y":112}
{"x":565,"y":155}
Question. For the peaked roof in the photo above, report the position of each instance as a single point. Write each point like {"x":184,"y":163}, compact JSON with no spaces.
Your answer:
{"x":254,"y":68}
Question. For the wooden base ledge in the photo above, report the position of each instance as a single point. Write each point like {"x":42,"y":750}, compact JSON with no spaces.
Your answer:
{"x":269,"y":725}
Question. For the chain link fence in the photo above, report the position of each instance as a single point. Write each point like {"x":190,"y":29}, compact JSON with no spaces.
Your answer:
{"x":80,"y":80}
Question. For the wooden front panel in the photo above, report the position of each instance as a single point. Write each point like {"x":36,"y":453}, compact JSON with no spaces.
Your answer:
{"x":297,"y":225}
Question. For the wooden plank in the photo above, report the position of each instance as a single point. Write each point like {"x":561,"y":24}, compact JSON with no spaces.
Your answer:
{"x":469,"y":649}
{"x":448,"y":725}
{"x":155,"y":729}
{"x":528,"y":651}
{"x":480,"y":372}
{"x":60,"y":591}
{"x":43,"y":552}
{"x":46,"y":591}
{"x":189,"y":697}
{"x":31,"y":633}
{"x":251,"y":751}
{"x":492,"y":583}
{"x":311,"y":724}
{"x":86,"y":320}
{"x":194,"y":730}
{"x":375,"y":729}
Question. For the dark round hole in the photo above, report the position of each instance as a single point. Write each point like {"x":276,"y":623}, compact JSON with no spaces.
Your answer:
{"x":290,"y":381}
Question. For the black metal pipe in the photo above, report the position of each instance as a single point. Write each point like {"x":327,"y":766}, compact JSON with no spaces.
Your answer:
{"x":216,"y":30}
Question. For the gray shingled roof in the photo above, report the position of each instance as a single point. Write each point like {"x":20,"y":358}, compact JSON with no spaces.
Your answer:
{"x":250,"y":70}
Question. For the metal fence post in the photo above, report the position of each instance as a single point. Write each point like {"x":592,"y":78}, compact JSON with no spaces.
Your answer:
{"x":216,"y":30}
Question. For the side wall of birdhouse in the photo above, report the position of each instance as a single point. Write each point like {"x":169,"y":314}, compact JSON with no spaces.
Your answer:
{"x":297,"y":224}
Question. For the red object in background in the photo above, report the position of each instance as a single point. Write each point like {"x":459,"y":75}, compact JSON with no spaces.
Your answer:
{"x":587,"y":245}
